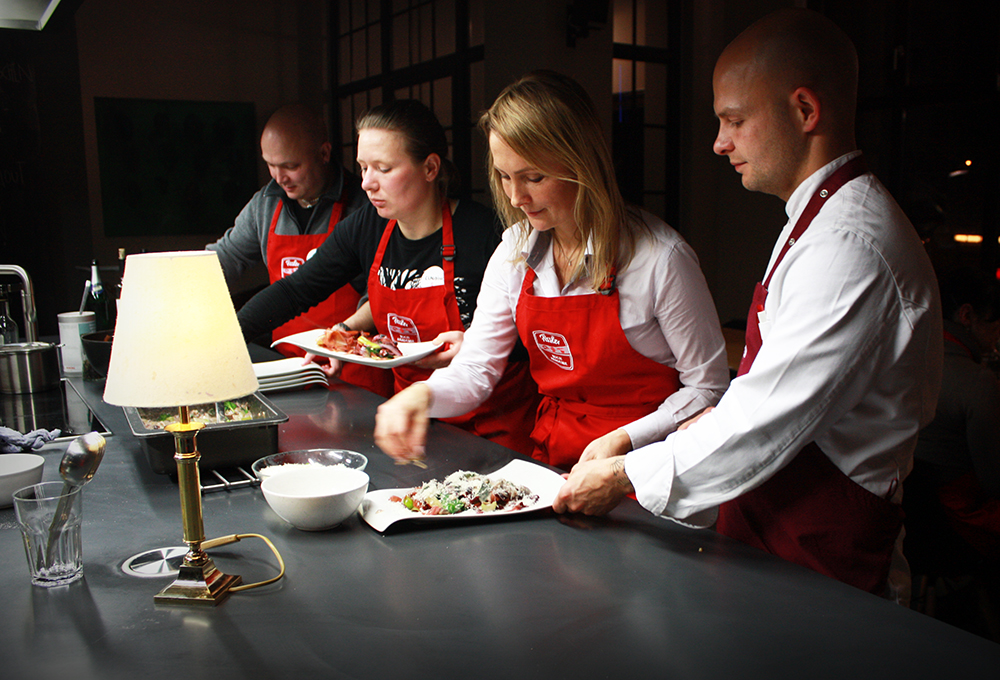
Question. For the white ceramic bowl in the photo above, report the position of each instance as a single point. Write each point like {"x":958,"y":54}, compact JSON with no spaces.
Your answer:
{"x":18,"y":470}
{"x":316,"y":497}
{"x":290,"y":460}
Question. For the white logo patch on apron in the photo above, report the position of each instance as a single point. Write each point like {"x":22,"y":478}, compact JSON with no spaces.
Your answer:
{"x":402,"y":328}
{"x":555,"y":348}
{"x":289,"y":265}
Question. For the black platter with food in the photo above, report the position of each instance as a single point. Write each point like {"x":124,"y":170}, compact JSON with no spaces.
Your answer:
{"x":236,"y":432}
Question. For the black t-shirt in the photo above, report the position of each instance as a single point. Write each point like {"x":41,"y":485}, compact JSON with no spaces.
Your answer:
{"x":350,"y":251}
{"x":301,"y":215}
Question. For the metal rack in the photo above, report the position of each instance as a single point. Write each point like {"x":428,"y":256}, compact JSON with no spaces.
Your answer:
{"x":227,"y":479}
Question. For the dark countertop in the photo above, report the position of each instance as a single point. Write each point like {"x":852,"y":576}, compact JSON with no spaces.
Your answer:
{"x":628,"y":595}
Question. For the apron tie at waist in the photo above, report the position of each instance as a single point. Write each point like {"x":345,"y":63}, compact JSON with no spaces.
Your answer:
{"x":629,"y":413}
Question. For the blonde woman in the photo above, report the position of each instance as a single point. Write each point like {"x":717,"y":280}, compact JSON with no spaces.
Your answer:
{"x":622,"y":334}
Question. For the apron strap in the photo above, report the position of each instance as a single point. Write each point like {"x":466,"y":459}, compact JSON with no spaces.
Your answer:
{"x":844,"y":174}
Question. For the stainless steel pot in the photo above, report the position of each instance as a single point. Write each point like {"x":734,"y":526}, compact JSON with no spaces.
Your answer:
{"x":28,"y":367}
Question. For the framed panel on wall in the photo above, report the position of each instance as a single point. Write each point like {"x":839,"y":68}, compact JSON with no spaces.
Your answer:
{"x":174,"y":167}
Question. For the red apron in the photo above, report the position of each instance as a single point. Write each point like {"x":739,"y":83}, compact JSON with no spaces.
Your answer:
{"x":810,"y":512}
{"x":285,"y":253}
{"x":591,"y":380}
{"x":420,"y":314}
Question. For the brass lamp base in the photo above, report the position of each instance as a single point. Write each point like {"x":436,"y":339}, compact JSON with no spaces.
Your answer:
{"x":195,"y":584}
{"x":198,"y":581}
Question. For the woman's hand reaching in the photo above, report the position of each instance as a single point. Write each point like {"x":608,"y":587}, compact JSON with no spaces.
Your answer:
{"x":401,"y":423}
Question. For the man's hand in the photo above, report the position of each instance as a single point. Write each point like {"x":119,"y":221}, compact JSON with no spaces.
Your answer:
{"x":614,"y":443}
{"x":594,"y":487}
{"x":694,"y":419}
{"x":401,"y":423}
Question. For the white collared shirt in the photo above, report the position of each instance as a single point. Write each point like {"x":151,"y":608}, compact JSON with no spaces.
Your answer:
{"x":852,"y":361}
{"x":666,"y":312}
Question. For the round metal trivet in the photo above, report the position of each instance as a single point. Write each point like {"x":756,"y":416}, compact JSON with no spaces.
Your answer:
{"x":155,"y":563}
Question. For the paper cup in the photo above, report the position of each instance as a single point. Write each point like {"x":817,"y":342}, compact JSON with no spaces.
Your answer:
{"x":71,"y":326}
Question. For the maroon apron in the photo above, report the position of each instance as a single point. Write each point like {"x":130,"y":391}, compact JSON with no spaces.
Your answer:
{"x":285,"y":253}
{"x":810,"y":512}
{"x":420,"y":314}
{"x":591,"y":379}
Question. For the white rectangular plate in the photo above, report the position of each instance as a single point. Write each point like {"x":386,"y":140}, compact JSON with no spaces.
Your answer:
{"x":284,"y":368}
{"x":381,"y":513}
{"x":412,"y":351}
{"x":292,"y":384}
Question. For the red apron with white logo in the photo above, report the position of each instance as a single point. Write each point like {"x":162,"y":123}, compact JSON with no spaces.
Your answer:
{"x":810,"y":512}
{"x":420,"y":315}
{"x":591,"y":379}
{"x":285,"y":253}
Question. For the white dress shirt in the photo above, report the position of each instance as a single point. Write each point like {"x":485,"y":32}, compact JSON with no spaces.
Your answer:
{"x":852,"y":361}
{"x":666,"y":312}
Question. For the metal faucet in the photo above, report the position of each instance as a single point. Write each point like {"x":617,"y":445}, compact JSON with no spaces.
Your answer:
{"x":28,"y":300}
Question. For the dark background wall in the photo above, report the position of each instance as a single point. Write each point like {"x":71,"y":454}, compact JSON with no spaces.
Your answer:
{"x":929,"y":97}
{"x":44,"y":217}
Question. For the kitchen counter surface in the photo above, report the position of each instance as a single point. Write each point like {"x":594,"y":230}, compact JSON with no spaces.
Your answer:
{"x":539,"y":595}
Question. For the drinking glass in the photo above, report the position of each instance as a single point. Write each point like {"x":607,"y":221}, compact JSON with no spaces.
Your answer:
{"x":50,"y":515}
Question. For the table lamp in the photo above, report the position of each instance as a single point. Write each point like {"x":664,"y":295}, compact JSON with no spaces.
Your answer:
{"x":177,"y":343}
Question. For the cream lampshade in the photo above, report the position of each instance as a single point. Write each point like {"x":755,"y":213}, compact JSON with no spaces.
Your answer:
{"x":177,"y":343}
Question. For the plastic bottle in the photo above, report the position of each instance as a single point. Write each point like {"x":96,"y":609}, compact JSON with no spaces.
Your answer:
{"x":8,"y":327}
{"x":99,"y":302}
{"x":121,"y":273}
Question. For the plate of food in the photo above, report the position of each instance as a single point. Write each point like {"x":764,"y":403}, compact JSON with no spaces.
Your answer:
{"x":357,"y":347}
{"x":518,"y":487}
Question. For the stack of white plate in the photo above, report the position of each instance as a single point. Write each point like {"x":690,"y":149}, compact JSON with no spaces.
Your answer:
{"x":288,"y":374}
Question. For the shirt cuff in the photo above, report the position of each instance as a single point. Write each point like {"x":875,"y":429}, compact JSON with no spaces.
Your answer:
{"x":651,"y":471}
{"x":443,"y":404}
{"x":644,"y":431}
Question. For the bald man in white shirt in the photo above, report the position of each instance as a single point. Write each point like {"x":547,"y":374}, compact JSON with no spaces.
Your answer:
{"x":805,"y":454}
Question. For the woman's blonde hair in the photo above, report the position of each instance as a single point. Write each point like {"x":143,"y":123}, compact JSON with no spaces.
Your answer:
{"x":549,"y":120}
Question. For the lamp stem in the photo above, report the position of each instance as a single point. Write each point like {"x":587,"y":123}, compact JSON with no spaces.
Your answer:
{"x":198,"y":580}
{"x":189,"y":484}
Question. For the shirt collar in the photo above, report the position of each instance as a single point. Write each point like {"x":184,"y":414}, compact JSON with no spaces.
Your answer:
{"x":803,"y":192}
{"x":536,"y":248}
{"x":333,"y":191}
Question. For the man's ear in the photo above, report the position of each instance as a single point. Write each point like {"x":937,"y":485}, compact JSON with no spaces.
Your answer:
{"x":965,"y":315}
{"x":324,"y":151}
{"x":806,"y":106}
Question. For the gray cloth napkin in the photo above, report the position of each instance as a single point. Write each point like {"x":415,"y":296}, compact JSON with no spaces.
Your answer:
{"x":12,"y":441}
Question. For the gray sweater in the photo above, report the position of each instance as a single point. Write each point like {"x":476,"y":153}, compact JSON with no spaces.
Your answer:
{"x":245,"y":243}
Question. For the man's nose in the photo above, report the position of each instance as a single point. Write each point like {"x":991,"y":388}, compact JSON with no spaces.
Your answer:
{"x":723,"y":144}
